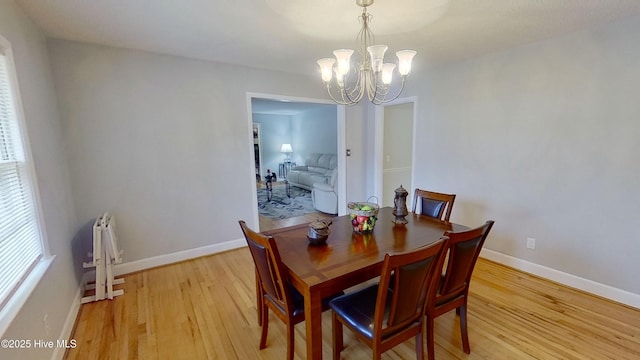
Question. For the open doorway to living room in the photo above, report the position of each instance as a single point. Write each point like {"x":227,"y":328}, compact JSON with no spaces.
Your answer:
{"x":296,"y":145}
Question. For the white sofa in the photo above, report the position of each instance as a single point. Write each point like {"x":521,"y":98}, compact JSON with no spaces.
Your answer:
{"x":318,"y":168}
{"x":325,"y":196}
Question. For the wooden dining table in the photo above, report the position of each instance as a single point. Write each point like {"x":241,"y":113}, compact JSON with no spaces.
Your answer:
{"x":347,"y":259}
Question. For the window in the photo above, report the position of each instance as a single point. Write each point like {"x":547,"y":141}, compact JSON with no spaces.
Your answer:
{"x":21,"y":243}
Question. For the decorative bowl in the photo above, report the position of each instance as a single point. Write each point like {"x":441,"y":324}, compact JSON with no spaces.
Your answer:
{"x":363,"y":216}
{"x":318,"y":232}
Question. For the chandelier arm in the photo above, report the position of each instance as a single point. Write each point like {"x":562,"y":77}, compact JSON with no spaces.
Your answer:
{"x":356,"y":93}
{"x":372,"y":88}
{"x":362,"y":83}
{"x":337,"y":101}
{"x":383,"y":101}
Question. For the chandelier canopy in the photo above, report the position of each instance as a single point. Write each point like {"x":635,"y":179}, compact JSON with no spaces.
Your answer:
{"x":371,"y":74}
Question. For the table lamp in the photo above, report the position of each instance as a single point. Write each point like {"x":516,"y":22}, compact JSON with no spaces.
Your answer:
{"x":286,"y":148}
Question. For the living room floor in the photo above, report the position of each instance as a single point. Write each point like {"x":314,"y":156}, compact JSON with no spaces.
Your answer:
{"x":268,"y":223}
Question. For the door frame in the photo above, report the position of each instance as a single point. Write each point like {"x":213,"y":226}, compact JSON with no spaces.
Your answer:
{"x":341,"y":150}
{"x":378,"y":157}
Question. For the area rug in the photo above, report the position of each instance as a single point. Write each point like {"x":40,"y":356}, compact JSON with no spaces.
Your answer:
{"x":283,"y":207}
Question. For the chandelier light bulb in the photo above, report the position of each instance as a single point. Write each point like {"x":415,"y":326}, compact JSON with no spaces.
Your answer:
{"x":343,"y":57}
{"x":326,"y":68}
{"x":405,"y":57}
{"x":377,"y":56}
{"x":387,"y":73}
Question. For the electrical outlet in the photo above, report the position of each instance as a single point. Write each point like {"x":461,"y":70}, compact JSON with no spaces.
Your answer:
{"x":531,"y":243}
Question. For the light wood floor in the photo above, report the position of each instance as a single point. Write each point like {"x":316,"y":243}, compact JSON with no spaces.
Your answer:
{"x":205,"y":309}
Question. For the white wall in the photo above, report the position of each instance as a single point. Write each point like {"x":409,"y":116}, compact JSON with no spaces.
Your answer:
{"x":544,"y":139}
{"x":275,"y":130}
{"x":163,"y":142}
{"x":314,"y":131}
{"x":397,"y":159}
{"x":56,"y":292}
{"x":311,"y":131}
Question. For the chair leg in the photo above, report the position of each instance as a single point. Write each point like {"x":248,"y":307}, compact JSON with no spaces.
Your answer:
{"x":265,"y":326}
{"x":463,"y":329}
{"x":259,"y":298}
{"x":336,"y":330}
{"x":431,"y":348}
{"x":419,"y":347}
{"x":290,"y":343}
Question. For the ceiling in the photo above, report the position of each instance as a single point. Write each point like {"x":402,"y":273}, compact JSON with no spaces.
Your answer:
{"x":290,"y":35}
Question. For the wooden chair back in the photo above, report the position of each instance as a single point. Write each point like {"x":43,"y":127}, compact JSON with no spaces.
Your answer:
{"x":463,"y":249}
{"x":411,"y":276}
{"x":269,"y":268}
{"x":273,"y":289}
{"x":386,"y":314}
{"x":433,"y":204}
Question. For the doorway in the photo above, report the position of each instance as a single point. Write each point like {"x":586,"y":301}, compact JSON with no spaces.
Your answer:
{"x":395,"y":130}
{"x":271,"y":157}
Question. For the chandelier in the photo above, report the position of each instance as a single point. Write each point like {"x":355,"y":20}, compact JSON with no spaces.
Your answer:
{"x":371,"y":75}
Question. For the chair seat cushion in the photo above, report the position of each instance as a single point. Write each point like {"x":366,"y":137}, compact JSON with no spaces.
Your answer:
{"x":297,"y":300}
{"x":358,"y":309}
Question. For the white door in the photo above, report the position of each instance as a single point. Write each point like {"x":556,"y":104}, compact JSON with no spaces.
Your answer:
{"x":395,"y":160}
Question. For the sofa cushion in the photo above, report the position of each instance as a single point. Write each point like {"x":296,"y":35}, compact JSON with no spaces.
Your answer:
{"x":317,"y":169}
{"x":323,"y":187}
{"x":313,"y":178}
{"x":312,"y":160}
{"x":333,"y":177}
{"x":294,"y":176}
{"x":327,"y":161}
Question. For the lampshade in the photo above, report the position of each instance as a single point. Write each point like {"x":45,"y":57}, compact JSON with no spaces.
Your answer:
{"x":326,"y":68}
{"x":286,"y":148}
{"x":405,"y":57}
{"x":343,"y":57}
{"x":387,"y":73}
{"x":377,"y":56}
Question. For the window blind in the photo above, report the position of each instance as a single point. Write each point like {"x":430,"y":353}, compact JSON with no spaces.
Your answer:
{"x":20,"y":238}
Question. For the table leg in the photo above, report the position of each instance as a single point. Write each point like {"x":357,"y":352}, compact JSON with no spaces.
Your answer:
{"x":269,"y":187}
{"x":313,"y":323}
{"x":287,"y":188}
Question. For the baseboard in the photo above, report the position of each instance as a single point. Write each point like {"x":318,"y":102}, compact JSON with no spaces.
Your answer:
{"x":67,"y":328}
{"x":592,"y":287}
{"x":148,"y":263}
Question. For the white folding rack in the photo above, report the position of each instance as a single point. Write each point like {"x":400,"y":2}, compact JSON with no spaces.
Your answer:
{"x":105,"y":254}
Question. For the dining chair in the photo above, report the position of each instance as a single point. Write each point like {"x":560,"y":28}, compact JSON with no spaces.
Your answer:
{"x":273,"y":289}
{"x":452,"y":291}
{"x":383,"y":316}
{"x":433,"y":204}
